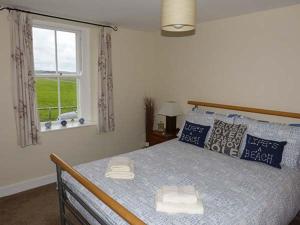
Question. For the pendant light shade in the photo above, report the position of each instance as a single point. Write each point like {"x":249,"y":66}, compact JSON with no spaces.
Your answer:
{"x":178,"y":15}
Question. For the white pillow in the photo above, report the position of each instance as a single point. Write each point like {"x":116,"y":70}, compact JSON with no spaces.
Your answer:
{"x":199,"y":116}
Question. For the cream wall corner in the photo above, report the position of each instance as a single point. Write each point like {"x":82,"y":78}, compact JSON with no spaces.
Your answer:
{"x":249,"y":60}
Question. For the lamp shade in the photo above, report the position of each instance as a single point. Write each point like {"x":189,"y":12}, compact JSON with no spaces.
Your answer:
{"x":178,"y":15}
{"x":170,"y":109}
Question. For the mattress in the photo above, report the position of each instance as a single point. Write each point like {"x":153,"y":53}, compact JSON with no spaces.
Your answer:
{"x":233,"y":191}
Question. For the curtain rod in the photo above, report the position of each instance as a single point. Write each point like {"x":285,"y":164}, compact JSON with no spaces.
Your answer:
{"x":115,"y":28}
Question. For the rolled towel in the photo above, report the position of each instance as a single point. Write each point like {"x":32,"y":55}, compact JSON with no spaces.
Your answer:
{"x":120,"y":164}
{"x":183,"y":194}
{"x":172,"y":208}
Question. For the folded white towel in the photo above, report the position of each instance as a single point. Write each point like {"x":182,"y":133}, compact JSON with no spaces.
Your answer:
{"x":192,"y":208}
{"x":120,"y":168}
{"x":184,"y":194}
{"x":122,"y":164}
{"x":119,"y":175}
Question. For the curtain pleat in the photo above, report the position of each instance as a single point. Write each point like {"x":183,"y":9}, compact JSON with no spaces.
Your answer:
{"x":26,"y":115}
{"x":106,"y":121}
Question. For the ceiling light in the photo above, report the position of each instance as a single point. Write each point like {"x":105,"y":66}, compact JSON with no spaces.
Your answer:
{"x":178,"y":15}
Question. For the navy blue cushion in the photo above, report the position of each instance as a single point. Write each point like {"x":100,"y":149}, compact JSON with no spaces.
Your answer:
{"x":295,"y":124}
{"x":233,"y":115}
{"x":265,"y":151}
{"x":194,"y":134}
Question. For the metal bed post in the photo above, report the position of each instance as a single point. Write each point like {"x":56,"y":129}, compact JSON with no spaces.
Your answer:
{"x":64,"y":192}
{"x":65,"y":203}
{"x":60,"y":196}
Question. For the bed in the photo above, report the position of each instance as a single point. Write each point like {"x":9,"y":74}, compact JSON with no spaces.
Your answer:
{"x":233,"y":191}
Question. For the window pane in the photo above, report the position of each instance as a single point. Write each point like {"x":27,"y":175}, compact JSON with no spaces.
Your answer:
{"x":47,"y":98}
{"x":68,"y":94}
{"x":66,"y":51}
{"x":44,"y":50}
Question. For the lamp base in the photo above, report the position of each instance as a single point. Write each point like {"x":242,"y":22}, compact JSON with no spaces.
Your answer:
{"x":171,"y":124}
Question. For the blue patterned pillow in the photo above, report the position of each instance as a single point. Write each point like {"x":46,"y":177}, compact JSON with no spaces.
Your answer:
{"x":194,"y":134}
{"x":276,"y":132}
{"x":295,"y":124}
{"x":265,"y":151}
{"x":233,"y":115}
{"x":210,"y":112}
{"x":199,"y":116}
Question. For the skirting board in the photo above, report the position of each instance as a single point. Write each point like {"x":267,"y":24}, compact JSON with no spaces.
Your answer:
{"x":26,"y":185}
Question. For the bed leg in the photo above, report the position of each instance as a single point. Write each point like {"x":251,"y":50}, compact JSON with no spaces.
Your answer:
{"x":60,"y":197}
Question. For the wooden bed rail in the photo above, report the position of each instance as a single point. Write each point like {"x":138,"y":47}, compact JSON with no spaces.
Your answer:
{"x":246,"y":109}
{"x":101,"y":195}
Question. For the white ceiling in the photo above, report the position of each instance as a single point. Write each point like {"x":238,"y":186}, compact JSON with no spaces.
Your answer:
{"x":142,"y":14}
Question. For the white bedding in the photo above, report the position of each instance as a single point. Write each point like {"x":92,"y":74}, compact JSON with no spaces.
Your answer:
{"x":233,"y":191}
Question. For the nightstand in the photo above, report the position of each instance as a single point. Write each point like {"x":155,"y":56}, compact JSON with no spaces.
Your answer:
{"x":157,"y":137}
{"x":298,"y":217}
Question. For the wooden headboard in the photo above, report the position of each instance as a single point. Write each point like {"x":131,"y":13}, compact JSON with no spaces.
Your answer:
{"x":246,"y":109}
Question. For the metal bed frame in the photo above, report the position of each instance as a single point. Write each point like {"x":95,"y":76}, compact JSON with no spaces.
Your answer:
{"x":64,"y":202}
{"x":63,"y":188}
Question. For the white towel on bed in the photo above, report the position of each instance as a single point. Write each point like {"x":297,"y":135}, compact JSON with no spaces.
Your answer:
{"x":119,"y":175}
{"x":122,"y":164}
{"x":172,"y":208}
{"x":184,"y":194}
{"x":120,"y":168}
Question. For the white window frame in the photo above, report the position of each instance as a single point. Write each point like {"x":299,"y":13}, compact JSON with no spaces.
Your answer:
{"x":82,"y":62}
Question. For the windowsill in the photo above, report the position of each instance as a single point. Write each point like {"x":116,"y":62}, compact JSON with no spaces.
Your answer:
{"x":56,"y":126}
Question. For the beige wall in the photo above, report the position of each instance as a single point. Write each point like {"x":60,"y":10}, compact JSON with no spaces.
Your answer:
{"x":250,"y":60}
{"x":133,"y":59}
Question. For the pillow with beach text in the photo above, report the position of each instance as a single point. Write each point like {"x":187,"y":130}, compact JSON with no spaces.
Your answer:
{"x":263,"y":150}
{"x":194,"y":134}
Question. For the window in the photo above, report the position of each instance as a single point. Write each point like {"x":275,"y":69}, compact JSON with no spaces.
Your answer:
{"x":59,"y":71}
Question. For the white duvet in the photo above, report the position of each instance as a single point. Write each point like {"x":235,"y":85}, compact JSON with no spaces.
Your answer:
{"x":233,"y":191}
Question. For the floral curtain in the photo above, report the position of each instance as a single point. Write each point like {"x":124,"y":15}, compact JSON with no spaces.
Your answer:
{"x":106,"y":121}
{"x":27,"y":121}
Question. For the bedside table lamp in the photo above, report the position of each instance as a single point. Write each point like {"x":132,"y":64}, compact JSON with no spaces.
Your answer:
{"x":170,"y":110}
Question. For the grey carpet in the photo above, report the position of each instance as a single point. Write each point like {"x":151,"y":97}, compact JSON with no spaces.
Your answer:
{"x":36,"y":207}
